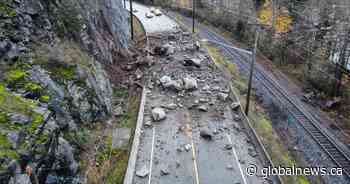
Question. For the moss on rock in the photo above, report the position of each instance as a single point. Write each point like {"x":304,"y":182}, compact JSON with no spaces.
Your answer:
{"x":15,"y":78}
{"x":7,"y":10}
{"x":33,"y":88}
{"x":45,"y":99}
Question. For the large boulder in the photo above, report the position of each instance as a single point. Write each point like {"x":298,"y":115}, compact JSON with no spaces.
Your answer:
{"x":158,"y":114}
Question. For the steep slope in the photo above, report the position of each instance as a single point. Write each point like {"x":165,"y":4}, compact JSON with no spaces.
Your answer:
{"x":53,"y":82}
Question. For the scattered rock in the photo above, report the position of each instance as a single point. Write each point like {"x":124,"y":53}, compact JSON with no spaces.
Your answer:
{"x":197,"y":45}
{"x":138,"y":74}
{"x":164,"y":170}
{"x":169,"y":48}
{"x":142,"y":172}
{"x":190,"y":83}
{"x":158,"y":114}
{"x":216,"y":88}
{"x":118,"y":111}
{"x":193,"y":62}
{"x":4,"y":48}
{"x":171,"y":37}
{"x":235,"y":106}
{"x":171,"y":106}
{"x":206,"y":88}
{"x":159,"y":50}
{"x":177,"y":164}
{"x":252,"y":152}
{"x":203,"y":108}
{"x":203,"y":100}
{"x":148,"y":123}
{"x":206,"y":134}
{"x":179,"y":150}
{"x":222,"y":96}
{"x":228,"y":146}
{"x":167,"y":82}
{"x":186,"y":34}
{"x":187,"y":147}
{"x":241,"y":161}
{"x":236,"y":117}
{"x":229,"y":167}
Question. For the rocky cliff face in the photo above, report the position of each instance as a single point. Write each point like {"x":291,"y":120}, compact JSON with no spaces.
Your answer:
{"x":53,"y":82}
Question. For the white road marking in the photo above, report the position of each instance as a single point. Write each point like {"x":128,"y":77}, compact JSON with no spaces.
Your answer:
{"x":151,"y":160}
{"x":195,"y":161}
{"x":236,"y":159}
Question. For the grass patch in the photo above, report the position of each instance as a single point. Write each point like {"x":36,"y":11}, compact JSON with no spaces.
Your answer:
{"x":129,"y":120}
{"x":111,"y":164}
{"x":120,"y":93}
{"x":15,"y":78}
{"x":12,"y":103}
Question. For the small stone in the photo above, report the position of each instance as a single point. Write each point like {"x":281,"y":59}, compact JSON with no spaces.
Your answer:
{"x":143,"y":172}
{"x":206,"y":88}
{"x":179,"y":150}
{"x":229,"y":167}
{"x":216,"y":88}
{"x":203,"y":108}
{"x":164,"y":170}
{"x":197,"y":45}
{"x":235,"y":106}
{"x":193,"y":62}
{"x":138,"y":74}
{"x":148,"y":123}
{"x":190,"y":83}
{"x":203,"y":100}
{"x":237,"y":117}
{"x":205,"y":133}
{"x":165,"y":81}
{"x":252,"y":152}
{"x":171,"y":106}
{"x":158,"y":114}
{"x":222,"y":96}
{"x":118,"y":111}
{"x":187,"y":147}
{"x":241,"y":161}
{"x":228,"y":146}
{"x":177,"y":164}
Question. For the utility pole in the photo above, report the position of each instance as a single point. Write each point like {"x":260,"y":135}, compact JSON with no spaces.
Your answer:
{"x":193,"y":14}
{"x":124,"y":4}
{"x":252,"y":70}
{"x":131,"y":21}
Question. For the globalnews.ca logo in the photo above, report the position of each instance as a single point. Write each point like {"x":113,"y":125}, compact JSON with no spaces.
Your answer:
{"x":294,"y":171}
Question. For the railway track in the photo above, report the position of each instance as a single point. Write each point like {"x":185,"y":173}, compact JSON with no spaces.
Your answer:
{"x":306,"y":120}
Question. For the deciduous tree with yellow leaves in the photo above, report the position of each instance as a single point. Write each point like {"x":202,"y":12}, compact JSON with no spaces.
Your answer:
{"x":283,"y":21}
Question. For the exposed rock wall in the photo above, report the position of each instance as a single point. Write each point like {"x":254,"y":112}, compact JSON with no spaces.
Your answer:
{"x":52,"y":59}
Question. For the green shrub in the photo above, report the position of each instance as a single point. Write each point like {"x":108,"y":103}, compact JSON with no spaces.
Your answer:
{"x":33,"y":88}
{"x":16,"y":78}
{"x":44,"y":99}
